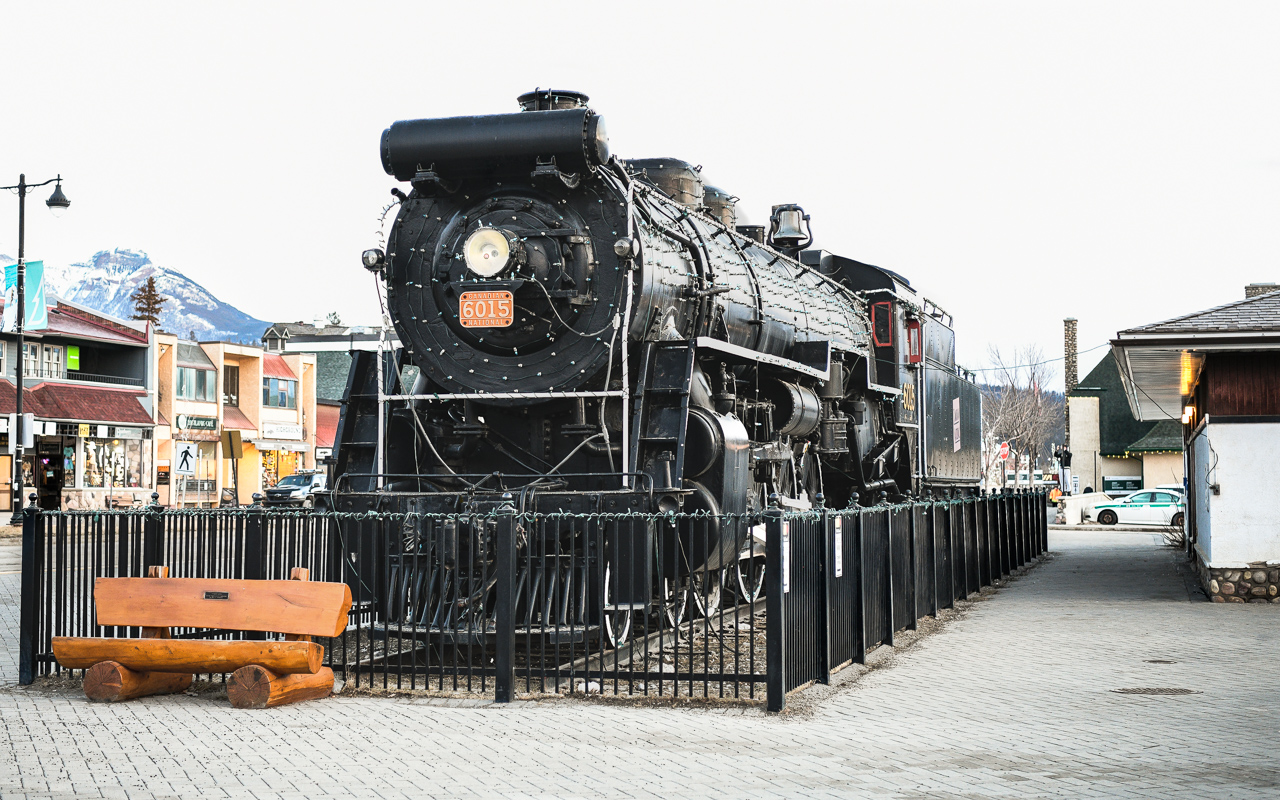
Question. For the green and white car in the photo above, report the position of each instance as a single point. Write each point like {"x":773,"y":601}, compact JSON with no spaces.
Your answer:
{"x":1141,"y":508}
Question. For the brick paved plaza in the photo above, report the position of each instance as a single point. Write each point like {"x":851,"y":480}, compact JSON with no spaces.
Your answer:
{"x":1013,"y":699}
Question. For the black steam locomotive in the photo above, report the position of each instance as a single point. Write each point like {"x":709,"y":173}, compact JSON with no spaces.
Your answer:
{"x":598,"y":335}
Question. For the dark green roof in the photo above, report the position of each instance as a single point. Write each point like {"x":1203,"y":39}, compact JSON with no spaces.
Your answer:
{"x":1165,"y":437}
{"x":331,"y":374}
{"x":1117,"y":428}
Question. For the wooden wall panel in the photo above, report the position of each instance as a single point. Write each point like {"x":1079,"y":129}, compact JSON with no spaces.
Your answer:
{"x":1237,"y":384}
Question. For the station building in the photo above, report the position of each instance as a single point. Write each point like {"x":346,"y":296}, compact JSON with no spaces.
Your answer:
{"x":1216,"y":375}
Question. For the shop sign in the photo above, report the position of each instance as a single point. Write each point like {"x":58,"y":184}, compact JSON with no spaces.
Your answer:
{"x":73,"y":357}
{"x":128,"y":433}
{"x":281,"y":430}
{"x":84,"y":431}
{"x":190,"y":422}
{"x":1121,"y":485}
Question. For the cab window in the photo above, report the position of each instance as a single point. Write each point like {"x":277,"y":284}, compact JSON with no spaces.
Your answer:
{"x":1140,"y":497}
{"x":1165,"y":497}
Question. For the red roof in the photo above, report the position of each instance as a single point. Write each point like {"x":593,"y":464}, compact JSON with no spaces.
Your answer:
{"x":78,"y":403}
{"x":233,"y":417}
{"x":274,"y":366}
{"x":65,"y":321}
{"x":326,"y":424}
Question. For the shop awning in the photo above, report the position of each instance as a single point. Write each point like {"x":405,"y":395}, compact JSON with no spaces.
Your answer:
{"x":274,"y":366}
{"x":234,"y":418}
{"x":71,"y":403}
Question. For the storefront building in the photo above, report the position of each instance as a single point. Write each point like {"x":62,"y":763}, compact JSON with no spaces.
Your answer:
{"x":248,"y":412}
{"x":87,"y":391}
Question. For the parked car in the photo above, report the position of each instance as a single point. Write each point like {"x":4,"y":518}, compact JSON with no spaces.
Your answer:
{"x":296,"y":490}
{"x":1141,"y":508}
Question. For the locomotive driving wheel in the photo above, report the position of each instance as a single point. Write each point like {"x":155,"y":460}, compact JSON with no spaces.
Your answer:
{"x":748,"y":579}
{"x":669,"y":605}
{"x":705,"y":592}
{"x":616,"y":624}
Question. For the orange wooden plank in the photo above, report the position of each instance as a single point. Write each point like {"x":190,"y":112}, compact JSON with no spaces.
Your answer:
{"x":304,"y":607}
{"x":188,"y":655}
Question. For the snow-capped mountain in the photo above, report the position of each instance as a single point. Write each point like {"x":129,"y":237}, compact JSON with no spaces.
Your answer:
{"x":105,"y":282}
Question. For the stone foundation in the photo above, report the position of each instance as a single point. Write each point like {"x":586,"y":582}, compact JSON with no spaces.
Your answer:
{"x":1258,"y":583}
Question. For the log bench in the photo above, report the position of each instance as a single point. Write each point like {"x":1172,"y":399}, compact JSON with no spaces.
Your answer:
{"x":263,"y":672}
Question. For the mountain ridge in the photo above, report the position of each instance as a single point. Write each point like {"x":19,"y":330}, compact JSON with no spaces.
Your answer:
{"x":106,"y":280}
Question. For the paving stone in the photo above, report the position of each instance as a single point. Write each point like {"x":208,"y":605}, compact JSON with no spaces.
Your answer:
{"x":1013,"y":700}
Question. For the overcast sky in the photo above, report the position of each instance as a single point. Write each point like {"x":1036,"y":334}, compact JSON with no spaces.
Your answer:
{"x":1019,"y":162}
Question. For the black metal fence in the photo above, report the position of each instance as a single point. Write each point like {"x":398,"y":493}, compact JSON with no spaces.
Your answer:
{"x":512,"y":604}
{"x":851,"y":579}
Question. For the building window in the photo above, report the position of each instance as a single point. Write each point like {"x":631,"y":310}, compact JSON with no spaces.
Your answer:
{"x":52,"y":363}
{"x":279,"y":393}
{"x":31,"y":358}
{"x":231,"y":386}
{"x":197,"y":384}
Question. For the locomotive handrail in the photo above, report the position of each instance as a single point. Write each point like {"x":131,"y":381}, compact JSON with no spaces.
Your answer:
{"x":516,"y":395}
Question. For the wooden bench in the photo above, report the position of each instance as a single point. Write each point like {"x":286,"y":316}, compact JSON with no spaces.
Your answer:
{"x":264,"y":673}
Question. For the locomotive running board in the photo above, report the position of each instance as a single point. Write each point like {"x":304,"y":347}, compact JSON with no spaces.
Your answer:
{"x":820,"y":358}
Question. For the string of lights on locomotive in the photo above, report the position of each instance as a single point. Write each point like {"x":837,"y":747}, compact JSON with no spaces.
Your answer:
{"x":596,"y":335}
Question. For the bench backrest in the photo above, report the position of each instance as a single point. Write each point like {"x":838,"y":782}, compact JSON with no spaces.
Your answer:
{"x":293,"y":607}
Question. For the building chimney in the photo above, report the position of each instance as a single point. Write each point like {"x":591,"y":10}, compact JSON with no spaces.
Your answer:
{"x":1070,"y":372}
{"x":1255,"y":289}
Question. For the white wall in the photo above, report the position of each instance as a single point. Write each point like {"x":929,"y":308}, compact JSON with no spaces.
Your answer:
{"x":1244,"y":517}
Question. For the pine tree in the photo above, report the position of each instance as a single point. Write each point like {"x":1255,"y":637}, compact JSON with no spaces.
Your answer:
{"x":147,"y":302}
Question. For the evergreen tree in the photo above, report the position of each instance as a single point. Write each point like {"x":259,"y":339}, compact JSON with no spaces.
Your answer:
{"x":147,"y":302}
{"x":334,"y":319}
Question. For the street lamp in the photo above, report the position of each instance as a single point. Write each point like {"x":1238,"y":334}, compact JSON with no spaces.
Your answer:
{"x":57,"y":203}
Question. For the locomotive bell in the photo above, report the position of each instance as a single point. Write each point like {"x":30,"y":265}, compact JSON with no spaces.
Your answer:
{"x":789,"y":226}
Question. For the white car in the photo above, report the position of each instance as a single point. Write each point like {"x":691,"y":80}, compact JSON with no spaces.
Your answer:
{"x":1159,"y":507}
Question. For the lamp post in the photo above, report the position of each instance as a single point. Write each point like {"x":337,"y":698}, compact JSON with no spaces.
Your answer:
{"x":57,"y":203}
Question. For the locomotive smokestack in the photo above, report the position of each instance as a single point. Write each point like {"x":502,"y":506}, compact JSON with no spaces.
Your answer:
{"x":551,"y":100}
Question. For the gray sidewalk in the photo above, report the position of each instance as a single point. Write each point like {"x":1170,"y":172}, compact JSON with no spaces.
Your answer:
{"x":1014,"y":699}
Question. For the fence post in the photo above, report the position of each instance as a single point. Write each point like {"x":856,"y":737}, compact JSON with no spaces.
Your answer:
{"x":914,"y":571}
{"x":29,"y":615}
{"x":933,"y":553}
{"x":504,"y":679}
{"x":255,"y":541}
{"x":152,"y":535}
{"x":860,"y":632}
{"x":888,"y":575}
{"x":777,"y":563}
{"x":828,"y":573}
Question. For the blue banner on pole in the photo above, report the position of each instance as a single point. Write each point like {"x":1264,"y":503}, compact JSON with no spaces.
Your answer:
{"x":37,"y":310}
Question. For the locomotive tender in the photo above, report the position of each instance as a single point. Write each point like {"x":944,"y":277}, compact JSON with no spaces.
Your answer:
{"x":598,"y":335}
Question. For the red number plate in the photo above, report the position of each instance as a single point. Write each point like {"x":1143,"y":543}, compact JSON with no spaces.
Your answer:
{"x":486,"y":309}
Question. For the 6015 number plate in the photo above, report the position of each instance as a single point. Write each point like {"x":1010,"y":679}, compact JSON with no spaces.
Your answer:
{"x":486,"y":309}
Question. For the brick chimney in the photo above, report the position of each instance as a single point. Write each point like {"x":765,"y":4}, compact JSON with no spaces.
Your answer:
{"x":1255,"y":289}
{"x":1070,"y":371}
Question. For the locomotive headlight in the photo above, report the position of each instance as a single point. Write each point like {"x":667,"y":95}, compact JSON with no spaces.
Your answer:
{"x":487,"y":252}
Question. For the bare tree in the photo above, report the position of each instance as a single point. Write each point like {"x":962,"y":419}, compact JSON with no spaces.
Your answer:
{"x":1017,"y":409}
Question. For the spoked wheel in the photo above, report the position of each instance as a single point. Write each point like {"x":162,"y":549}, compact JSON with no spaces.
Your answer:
{"x":705,"y":589}
{"x":669,"y":602}
{"x":1108,"y":517}
{"x":748,"y":579}
{"x":616,"y":624}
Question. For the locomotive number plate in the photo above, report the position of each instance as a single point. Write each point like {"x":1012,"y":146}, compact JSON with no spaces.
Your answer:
{"x":486,"y":309}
